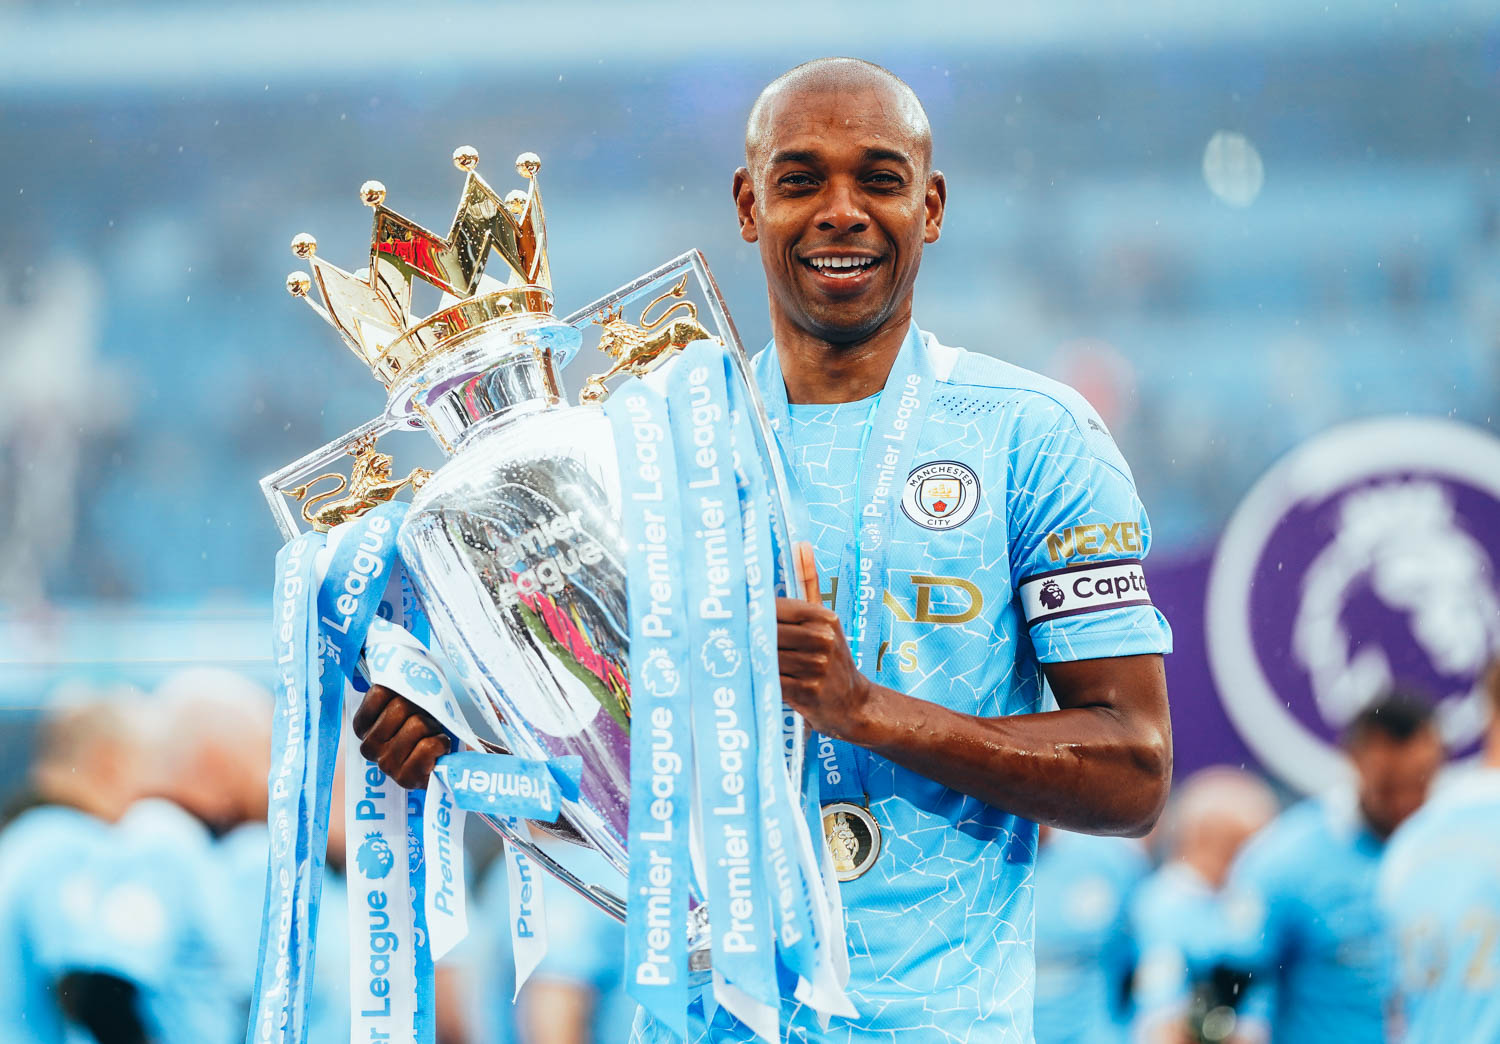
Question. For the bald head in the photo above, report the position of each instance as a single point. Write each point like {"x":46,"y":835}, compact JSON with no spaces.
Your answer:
{"x":94,"y":749}
{"x":837,"y":76}
{"x":1216,"y":811}
{"x":217,"y":744}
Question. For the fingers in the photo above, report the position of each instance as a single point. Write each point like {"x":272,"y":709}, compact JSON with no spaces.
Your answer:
{"x":797,"y":611}
{"x":394,"y":754}
{"x":815,"y":636}
{"x":417,"y":768}
{"x":397,"y":711}
{"x":807,"y":565}
{"x":369,"y":708}
{"x":803,"y":664}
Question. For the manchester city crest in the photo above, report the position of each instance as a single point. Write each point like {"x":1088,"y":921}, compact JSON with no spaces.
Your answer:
{"x":941,"y":495}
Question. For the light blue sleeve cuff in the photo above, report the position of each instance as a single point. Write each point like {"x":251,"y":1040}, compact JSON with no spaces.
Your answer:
{"x":1131,"y":631}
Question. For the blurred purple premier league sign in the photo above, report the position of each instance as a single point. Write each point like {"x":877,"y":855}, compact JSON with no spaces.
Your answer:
{"x":1368,"y":557}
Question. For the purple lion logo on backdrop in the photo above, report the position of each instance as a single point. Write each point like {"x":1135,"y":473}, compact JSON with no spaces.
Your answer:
{"x":1052,"y":595}
{"x":375,"y":857}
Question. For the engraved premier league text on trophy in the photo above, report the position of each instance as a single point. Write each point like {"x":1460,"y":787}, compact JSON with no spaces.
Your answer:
{"x":595,"y":581}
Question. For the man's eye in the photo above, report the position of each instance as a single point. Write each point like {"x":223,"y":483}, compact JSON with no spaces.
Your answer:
{"x":884,"y":179}
{"x":797,"y":180}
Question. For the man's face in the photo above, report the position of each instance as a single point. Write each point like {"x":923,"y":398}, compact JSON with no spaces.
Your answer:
{"x":840,"y":201}
{"x":1394,"y":776}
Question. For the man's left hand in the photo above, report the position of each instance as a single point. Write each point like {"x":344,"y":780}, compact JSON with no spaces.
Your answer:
{"x":819,"y":678}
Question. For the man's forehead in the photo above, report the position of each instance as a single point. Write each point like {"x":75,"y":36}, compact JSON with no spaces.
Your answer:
{"x":838,"y":116}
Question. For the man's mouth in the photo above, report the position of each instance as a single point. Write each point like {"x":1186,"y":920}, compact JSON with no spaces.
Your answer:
{"x":842,"y":267}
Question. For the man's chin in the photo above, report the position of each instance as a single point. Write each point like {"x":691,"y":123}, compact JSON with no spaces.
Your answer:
{"x":841,"y":328}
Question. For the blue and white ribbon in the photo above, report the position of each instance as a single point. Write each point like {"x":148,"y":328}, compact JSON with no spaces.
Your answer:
{"x":805,"y":926}
{"x":275,"y":1015}
{"x":329,"y":591}
{"x":660,"y":871}
{"x":726,"y":736}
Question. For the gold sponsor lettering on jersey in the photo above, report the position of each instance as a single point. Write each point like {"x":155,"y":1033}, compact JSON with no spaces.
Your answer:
{"x":1094,"y":538}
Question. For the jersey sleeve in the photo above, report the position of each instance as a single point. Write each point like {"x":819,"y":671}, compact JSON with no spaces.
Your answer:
{"x":1079,"y":535}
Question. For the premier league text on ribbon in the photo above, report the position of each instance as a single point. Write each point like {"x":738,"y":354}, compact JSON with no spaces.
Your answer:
{"x":656,"y":947}
{"x":723,"y":710}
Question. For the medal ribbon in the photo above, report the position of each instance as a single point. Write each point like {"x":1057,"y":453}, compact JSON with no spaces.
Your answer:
{"x":892,"y":434}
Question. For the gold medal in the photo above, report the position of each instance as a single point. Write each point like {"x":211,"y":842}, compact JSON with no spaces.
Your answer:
{"x":853,"y":838}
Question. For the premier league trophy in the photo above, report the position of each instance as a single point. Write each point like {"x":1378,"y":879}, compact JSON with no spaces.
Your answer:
{"x":571,"y":572}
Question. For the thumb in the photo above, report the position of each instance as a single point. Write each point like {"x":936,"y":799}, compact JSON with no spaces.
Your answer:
{"x":807,"y":567}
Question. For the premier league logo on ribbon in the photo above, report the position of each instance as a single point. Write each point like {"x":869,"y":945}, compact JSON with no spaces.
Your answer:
{"x":375,"y":857}
{"x":1369,"y":558}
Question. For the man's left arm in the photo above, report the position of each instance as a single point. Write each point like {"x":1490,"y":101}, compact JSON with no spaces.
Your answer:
{"x":1076,"y":534}
{"x":1100,"y":764}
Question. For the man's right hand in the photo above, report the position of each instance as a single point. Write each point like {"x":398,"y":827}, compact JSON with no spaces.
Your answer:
{"x":400,"y":737}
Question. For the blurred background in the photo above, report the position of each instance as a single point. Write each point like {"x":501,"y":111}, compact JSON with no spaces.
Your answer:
{"x":1242,"y":231}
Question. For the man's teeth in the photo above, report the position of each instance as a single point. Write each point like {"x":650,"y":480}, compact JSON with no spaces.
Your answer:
{"x":828,"y":265}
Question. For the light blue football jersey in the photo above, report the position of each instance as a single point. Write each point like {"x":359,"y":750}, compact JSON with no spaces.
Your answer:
{"x":1084,"y":952}
{"x":46,"y":911}
{"x":152,"y":890}
{"x":1176,"y":926}
{"x":1439,"y":891}
{"x":1304,"y":922}
{"x":1016,"y":489}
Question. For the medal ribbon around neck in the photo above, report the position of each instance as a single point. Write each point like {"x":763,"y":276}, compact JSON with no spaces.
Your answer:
{"x":886,"y":452}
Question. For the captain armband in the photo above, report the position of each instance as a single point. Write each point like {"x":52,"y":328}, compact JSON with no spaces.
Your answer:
{"x":1079,"y":589}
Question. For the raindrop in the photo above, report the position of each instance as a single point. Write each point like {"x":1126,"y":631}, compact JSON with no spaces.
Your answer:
{"x":1232,"y":168}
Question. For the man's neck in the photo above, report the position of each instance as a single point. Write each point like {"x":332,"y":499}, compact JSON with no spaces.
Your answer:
{"x":817,"y":371}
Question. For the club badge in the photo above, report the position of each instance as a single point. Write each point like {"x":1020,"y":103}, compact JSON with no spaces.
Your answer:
{"x":941,"y":495}
{"x":853,"y":838}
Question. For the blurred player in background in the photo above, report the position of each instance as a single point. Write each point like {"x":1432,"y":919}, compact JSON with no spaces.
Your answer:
{"x":1439,"y":891}
{"x":1084,"y":953}
{"x":576,"y":995}
{"x":1304,"y":915}
{"x":1176,"y":915}
{"x":162,"y":916}
{"x":91,"y":766}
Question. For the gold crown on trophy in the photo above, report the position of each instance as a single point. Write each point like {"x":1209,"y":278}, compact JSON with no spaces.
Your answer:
{"x":371,"y":308}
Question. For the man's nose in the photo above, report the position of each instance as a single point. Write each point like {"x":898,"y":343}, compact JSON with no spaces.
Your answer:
{"x":841,"y":211}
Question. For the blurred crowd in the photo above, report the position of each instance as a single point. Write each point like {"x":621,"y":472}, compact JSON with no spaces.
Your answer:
{"x":132,"y":877}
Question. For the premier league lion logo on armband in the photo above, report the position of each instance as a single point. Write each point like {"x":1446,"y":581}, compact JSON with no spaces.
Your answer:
{"x":1368,"y":558}
{"x":375,"y":858}
{"x":1051,"y":595}
{"x":720,"y":657}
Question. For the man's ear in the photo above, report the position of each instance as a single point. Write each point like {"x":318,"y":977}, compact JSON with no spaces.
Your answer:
{"x":936,"y":202}
{"x":744,"y":205}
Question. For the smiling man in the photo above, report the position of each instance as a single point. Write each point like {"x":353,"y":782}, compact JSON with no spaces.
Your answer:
{"x":981,"y":540}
